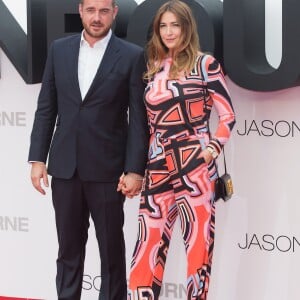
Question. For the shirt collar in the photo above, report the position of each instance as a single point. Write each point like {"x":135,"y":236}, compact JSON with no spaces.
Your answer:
{"x":99,"y":44}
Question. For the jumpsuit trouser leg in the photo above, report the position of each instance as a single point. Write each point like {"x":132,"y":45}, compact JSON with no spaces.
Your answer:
{"x":157,"y":215}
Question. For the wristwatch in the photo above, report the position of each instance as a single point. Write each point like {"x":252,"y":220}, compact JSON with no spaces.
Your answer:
{"x":212,"y":151}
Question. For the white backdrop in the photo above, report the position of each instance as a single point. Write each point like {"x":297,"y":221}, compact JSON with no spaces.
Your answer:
{"x":257,"y":248}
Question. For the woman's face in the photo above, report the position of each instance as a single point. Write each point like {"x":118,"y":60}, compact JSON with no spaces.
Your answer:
{"x":170,"y":31}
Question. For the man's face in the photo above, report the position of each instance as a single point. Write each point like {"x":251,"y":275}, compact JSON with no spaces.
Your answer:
{"x":97,"y":17}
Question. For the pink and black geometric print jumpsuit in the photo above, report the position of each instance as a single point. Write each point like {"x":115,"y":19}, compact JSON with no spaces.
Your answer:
{"x":177,"y":181}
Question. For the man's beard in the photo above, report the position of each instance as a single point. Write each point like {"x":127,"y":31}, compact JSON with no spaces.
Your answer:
{"x":97,"y":35}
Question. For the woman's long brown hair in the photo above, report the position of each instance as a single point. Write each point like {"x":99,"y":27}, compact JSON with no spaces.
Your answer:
{"x":185,"y":55}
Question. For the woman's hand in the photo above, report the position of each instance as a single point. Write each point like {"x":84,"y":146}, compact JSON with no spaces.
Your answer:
{"x":207,"y":156}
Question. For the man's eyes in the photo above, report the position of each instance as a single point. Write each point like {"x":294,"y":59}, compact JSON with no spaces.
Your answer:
{"x":102,"y":11}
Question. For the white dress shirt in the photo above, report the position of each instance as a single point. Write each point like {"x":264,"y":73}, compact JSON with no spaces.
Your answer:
{"x":89,"y":61}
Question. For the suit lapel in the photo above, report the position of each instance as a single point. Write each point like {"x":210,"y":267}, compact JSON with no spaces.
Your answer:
{"x":110,"y":58}
{"x":72,"y":60}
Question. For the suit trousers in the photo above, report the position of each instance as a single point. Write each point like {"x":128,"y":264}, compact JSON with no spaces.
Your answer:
{"x":74,"y":202}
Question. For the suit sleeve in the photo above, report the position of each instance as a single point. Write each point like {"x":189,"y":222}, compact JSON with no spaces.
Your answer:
{"x":45,"y":115}
{"x":138,"y":133}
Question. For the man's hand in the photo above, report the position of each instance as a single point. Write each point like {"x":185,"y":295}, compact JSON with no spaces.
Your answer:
{"x":38,"y":174}
{"x":130,"y":184}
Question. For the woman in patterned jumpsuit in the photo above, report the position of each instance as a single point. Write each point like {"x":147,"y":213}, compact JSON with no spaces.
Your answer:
{"x":183,"y":85}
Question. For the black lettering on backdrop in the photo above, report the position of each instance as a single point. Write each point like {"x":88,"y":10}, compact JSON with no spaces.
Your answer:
{"x":269,"y":128}
{"x":208,"y":14}
{"x":86,"y":282}
{"x":26,"y":52}
{"x":46,"y":21}
{"x":269,"y":242}
{"x":62,"y":19}
{"x":67,"y":19}
{"x":244,"y":45}
{"x":244,"y":39}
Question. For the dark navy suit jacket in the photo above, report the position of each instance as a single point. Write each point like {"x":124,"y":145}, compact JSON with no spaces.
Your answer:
{"x":93,"y":134}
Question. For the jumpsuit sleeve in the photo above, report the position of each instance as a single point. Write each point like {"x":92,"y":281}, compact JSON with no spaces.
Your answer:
{"x":221,"y":100}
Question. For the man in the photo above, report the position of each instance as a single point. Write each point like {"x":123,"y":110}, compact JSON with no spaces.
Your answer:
{"x":90,"y":81}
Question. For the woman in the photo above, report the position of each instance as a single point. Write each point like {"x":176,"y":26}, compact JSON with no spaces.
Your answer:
{"x":183,"y":85}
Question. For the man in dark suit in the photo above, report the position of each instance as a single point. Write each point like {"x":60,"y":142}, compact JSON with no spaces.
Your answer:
{"x":90,"y":81}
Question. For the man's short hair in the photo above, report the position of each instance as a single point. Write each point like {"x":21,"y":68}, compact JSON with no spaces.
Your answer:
{"x":113,"y":2}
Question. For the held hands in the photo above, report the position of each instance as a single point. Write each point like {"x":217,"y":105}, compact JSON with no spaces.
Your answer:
{"x":38,"y":174}
{"x":130,"y":184}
